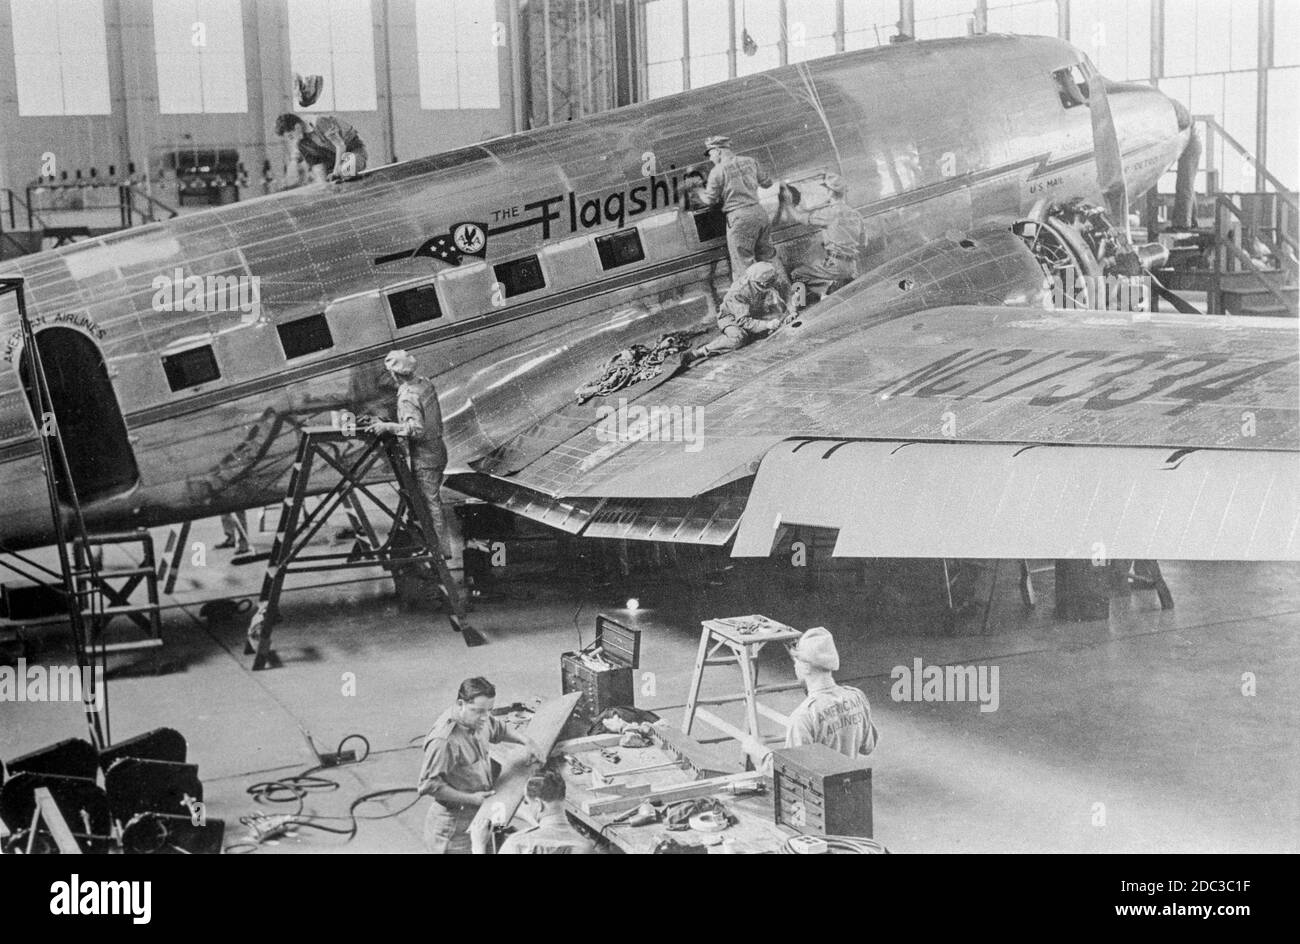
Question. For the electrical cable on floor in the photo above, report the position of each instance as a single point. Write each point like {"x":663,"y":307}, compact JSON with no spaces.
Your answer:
{"x":841,"y":845}
{"x":295,"y":789}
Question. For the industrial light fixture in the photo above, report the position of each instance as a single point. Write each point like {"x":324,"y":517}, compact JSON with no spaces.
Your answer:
{"x":633,"y":604}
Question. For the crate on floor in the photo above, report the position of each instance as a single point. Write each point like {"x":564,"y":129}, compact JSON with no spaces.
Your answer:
{"x":602,"y":686}
{"x":817,"y":790}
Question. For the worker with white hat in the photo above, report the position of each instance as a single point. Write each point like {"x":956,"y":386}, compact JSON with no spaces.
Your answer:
{"x":419,"y":422}
{"x":838,"y":716}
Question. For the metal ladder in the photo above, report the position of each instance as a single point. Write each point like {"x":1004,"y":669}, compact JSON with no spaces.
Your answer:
{"x":412,"y":540}
{"x":101,"y":602}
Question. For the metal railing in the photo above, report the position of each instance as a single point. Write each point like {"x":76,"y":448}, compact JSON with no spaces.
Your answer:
{"x":1227,"y":251}
{"x":131,"y":204}
{"x":7,"y":201}
{"x":129,"y":197}
{"x":1279,"y":229}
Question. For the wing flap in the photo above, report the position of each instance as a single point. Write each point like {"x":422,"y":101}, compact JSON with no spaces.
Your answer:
{"x":973,"y":500}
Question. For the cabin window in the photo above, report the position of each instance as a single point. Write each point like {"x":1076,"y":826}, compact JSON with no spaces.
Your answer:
{"x":710,"y":224}
{"x":620,"y":249}
{"x":520,"y":275}
{"x":414,"y":305}
{"x":305,"y":336}
{"x":1072,"y":86}
{"x":190,"y":368}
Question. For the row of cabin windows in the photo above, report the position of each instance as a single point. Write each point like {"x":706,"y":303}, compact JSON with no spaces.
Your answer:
{"x":413,"y":306}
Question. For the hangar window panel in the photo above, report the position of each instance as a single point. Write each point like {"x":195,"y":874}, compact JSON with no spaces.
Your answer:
{"x":664,"y":35}
{"x":355,"y":75}
{"x":335,"y":39}
{"x":520,"y":275}
{"x":709,"y":26}
{"x":814,"y":48}
{"x":199,"y":53}
{"x":869,"y":23}
{"x":816,"y":19}
{"x":1240,"y":95}
{"x":60,"y":57}
{"x":1137,"y":33}
{"x":224,"y":90}
{"x":707,"y":70}
{"x":190,"y":368}
{"x":180,"y":87}
{"x":762,"y":18}
{"x":1115,"y":34}
{"x":1033,"y":18}
{"x":1286,"y":35}
{"x":1244,"y":37}
{"x":936,"y":19}
{"x":438,"y":85}
{"x":414,"y":306}
{"x":40,"y":84}
{"x":1283,"y":128}
{"x":620,"y":249}
{"x":1180,"y":37}
{"x":456,"y":57}
{"x":1213,"y":33}
{"x":479,"y":81}
{"x":766,"y":57}
{"x":305,"y":336}
{"x":663,"y":78}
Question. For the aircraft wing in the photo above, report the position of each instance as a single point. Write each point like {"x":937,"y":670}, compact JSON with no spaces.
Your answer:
{"x":950,"y":431}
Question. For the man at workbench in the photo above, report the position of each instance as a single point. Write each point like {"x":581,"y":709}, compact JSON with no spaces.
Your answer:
{"x":553,"y":834}
{"x":838,"y":716}
{"x":457,"y":770}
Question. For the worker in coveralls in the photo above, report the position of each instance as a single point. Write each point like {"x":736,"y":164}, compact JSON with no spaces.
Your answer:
{"x":331,"y":148}
{"x":838,"y":716}
{"x":457,"y":770}
{"x":733,"y":184}
{"x":746,"y":312}
{"x":553,"y":834}
{"x":836,"y":262}
{"x":419,"y":422}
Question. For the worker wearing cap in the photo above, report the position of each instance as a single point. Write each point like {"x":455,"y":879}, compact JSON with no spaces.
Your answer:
{"x":553,"y":834}
{"x":733,"y":185}
{"x":836,"y":261}
{"x":838,"y":716}
{"x":419,"y":422}
{"x":323,"y":146}
{"x":457,"y":770}
{"x":746,"y":312}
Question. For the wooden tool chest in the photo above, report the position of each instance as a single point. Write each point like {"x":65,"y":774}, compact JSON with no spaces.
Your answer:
{"x":819,"y":791}
{"x":601,"y":688}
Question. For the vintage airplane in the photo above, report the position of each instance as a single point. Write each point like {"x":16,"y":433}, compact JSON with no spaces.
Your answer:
{"x":937,"y":406}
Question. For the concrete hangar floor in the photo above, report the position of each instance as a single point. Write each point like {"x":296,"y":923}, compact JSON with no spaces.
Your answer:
{"x":1124,"y":735}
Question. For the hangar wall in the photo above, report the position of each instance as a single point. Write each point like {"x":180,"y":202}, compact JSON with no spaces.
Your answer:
{"x":134,"y":128}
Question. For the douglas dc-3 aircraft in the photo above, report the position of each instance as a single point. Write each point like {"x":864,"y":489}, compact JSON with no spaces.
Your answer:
{"x":937,"y":406}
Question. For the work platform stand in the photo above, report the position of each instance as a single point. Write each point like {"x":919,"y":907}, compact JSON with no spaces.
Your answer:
{"x":412,"y":541}
{"x":743,"y":649}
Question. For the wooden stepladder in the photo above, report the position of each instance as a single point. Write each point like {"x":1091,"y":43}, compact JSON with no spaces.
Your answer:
{"x":412,"y":540}
{"x":742,"y":650}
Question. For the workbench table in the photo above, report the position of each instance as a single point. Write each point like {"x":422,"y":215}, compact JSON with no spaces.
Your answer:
{"x":756,"y":832}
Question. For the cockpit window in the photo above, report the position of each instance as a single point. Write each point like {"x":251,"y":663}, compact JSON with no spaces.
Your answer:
{"x":1072,"y":85}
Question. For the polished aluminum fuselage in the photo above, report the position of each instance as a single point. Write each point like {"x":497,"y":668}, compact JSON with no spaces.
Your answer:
{"x":932,"y":137}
